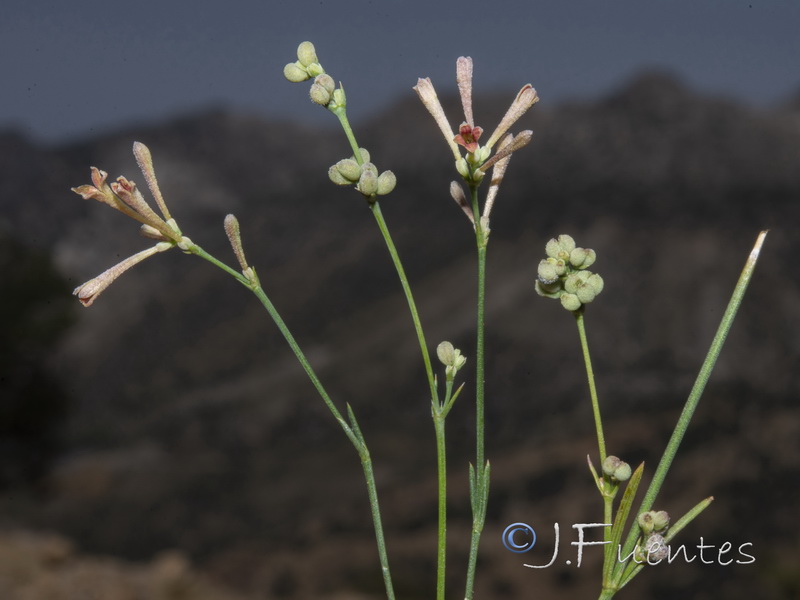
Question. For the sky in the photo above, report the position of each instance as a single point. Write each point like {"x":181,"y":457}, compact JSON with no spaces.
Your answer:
{"x":74,"y":69}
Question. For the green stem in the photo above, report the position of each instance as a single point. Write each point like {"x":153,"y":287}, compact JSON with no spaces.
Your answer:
{"x":598,"y":423}
{"x":697,"y":389}
{"x":412,"y":306}
{"x":372,"y":490}
{"x":353,"y":433}
{"x":441,"y":460}
{"x":480,"y":368}
{"x":439,"y":413}
{"x":341,"y":114}
{"x":607,"y":593}
{"x":479,"y":485}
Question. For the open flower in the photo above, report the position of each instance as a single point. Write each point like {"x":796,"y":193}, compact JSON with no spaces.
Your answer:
{"x":468,"y":133}
{"x":478,"y":159}
{"x":124,"y":196}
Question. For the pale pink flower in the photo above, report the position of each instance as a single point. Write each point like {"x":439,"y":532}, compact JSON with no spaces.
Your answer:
{"x":89,"y":291}
{"x":124,"y":196}
{"x":469,"y":134}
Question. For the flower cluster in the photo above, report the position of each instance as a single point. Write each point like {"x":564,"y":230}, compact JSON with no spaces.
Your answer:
{"x":564,"y":274}
{"x":451,"y":358}
{"x":616,"y":470}
{"x":478,"y":158}
{"x":365,"y":176}
{"x":124,"y":196}
{"x":323,"y":90}
{"x":653,"y":525}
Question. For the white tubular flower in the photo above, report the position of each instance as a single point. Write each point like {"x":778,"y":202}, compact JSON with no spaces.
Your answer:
{"x":464,"y":81}
{"x":427,"y":94}
{"x":526,"y":98}
{"x":89,"y":291}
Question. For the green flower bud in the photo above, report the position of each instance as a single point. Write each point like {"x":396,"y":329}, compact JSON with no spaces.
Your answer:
{"x":560,"y":247}
{"x":319,"y":95}
{"x":653,"y":520}
{"x":306,"y":53}
{"x":611,"y":464}
{"x":547,"y":271}
{"x":326,"y":81}
{"x":462,"y":167}
{"x":552,"y":248}
{"x":368,"y":182}
{"x":294,"y":73}
{"x":315,"y":69}
{"x":478,"y":175}
{"x":483,"y":153}
{"x":660,"y":520}
{"x":339,"y":99}
{"x":548,"y":290}
{"x":582,"y":258}
{"x":570,"y":302}
{"x":364,"y":155}
{"x":622,"y":473}
{"x":386,"y":183}
{"x":615,"y":469}
{"x":596,"y":282}
{"x":446,"y":353}
{"x":349,"y":169}
{"x":584,"y":284}
{"x":645,"y":521}
{"x":572,"y":282}
{"x":368,"y":166}
{"x":451,"y":358}
{"x":335,"y":175}
{"x":566,"y":242}
{"x":585,"y":293}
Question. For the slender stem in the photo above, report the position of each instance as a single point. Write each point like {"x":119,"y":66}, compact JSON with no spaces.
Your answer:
{"x":699,"y":385}
{"x":478,"y":488}
{"x":412,"y":306}
{"x":482,"y":240}
{"x":441,"y":460}
{"x":473,"y":561}
{"x":232,"y":272}
{"x":439,"y":413}
{"x":353,"y":433}
{"x":372,"y":490}
{"x":341,"y":114}
{"x":480,"y":368}
{"x":598,"y":423}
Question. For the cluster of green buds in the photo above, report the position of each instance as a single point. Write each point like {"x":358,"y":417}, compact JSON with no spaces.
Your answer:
{"x":616,"y":470}
{"x":323,"y":90}
{"x":365,"y":176}
{"x":564,"y":274}
{"x":451,"y":358}
{"x":653,"y":524}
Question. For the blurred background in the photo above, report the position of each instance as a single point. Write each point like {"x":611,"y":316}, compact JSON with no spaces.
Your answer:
{"x":164,"y":443}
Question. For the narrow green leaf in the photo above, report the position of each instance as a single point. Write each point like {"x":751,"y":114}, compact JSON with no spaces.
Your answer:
{"x":611,"y":564}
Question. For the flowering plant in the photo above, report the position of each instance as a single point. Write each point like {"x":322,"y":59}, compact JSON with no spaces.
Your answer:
{"x":564,"y":275}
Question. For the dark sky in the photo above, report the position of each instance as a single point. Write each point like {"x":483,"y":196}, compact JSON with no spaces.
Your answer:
{"x":74,"y":68}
